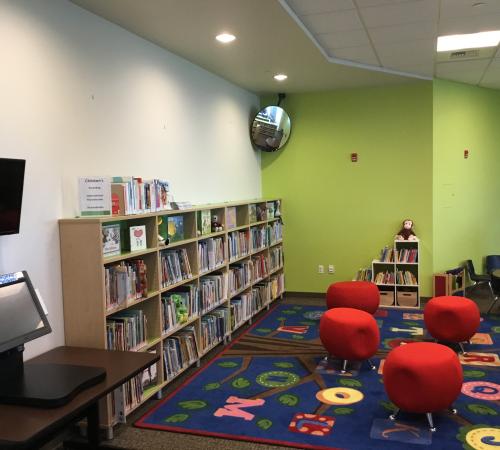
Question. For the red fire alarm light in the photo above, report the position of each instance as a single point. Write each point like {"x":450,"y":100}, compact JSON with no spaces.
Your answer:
{"x":466,"y":154}
{"x":354,"y":157}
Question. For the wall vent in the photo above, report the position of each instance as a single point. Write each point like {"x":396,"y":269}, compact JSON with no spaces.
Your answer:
{"x":467,"y":54}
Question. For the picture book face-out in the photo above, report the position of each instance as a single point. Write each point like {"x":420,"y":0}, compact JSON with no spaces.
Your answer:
{"x":111,"y":240}
{"x":175,"y":228}
{"x":138,"y":238}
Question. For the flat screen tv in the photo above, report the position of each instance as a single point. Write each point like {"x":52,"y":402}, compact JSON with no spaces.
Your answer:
{"x":11,"y":194}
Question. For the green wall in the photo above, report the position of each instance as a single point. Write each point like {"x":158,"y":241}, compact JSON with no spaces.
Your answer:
{"x":343,"y":213}
{"x":467,"y":191}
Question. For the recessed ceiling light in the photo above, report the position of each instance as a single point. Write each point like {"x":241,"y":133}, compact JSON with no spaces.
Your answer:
{"x":280,"y":77}
{"x":225,"y":38}
{"x":464,"y":41}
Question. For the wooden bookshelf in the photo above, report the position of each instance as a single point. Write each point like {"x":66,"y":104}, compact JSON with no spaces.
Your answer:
{"x":83,"y":265}
{"x":400,"y":287}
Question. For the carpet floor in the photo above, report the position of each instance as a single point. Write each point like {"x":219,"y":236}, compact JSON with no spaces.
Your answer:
{"x":274,"y":386}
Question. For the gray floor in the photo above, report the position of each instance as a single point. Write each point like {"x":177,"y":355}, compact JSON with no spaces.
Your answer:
{"x":129,"y":437}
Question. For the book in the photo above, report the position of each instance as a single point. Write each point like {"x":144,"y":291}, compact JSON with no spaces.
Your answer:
{"x":111,"y":240}
{"x":270,"y":210}
{"x":204,"y":222}
{"x":231,"y":217}
{"x":175,"y":228}
{"x":137,"y":238}
{"x":252,"y":212}
{"x":95,"y":196}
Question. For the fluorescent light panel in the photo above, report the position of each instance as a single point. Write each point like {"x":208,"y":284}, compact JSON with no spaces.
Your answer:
{"x":465,"y":41}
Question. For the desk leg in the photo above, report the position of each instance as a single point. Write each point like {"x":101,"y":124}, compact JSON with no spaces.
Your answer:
{"x":93,"y":425}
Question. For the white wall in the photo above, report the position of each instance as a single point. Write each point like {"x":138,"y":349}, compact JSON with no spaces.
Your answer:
{"x":81,"y":96}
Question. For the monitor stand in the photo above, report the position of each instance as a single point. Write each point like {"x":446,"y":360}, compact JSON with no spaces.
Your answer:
{"x":42,"y":385}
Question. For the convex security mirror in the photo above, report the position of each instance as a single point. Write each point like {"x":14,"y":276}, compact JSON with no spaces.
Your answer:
{"x":270,"y":129}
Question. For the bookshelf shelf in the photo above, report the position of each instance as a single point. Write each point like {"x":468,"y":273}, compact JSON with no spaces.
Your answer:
{"x":128,"y":255}
{"x":93,"y":304}
{"x":401,"y":287}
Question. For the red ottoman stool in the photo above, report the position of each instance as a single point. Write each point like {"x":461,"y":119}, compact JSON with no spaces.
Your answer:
{"x":452,"y":319}
{"x":362,"y":295}
{"x":349,"y":334}
{"x":422,"y":377}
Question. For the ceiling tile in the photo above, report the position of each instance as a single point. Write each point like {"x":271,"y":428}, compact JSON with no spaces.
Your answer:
{"x":471,"y":24}
{"x":363,"y":54}
{"x":406,"y":12}
{"x":304,"y":7}
{"x":342,"y":39}
{"x":418,"y":52}
{"x":331,"y":22}
{"x":492,"y":78}
{"x":369,"y":3}
{"x":451,"y":9}
{"x":464,"y":71}
{"x":403,"y":33}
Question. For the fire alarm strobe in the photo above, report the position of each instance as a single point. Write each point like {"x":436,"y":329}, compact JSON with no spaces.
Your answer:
{"x":354,"y":157}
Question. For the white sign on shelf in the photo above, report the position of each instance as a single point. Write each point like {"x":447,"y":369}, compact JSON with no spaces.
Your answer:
{"x":95,"y":196}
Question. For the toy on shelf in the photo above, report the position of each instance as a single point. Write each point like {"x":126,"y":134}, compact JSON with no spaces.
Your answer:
{"x":216,"y":225}
{"x":406,"y":233}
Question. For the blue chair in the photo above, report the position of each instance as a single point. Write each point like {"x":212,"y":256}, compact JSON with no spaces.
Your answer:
{"x":492,"y":263}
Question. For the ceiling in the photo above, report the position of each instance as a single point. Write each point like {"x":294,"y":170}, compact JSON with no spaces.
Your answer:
{"x":319,"y":44}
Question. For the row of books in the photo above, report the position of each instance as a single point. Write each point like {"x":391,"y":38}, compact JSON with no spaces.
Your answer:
{"x":407,"y":255}
{"x":175,"y":267}
{"x":213,"y":289}
{"x":406,"y":277}
{"x":262,"y":211}
{"x":133,"y":393}
{"x":210,"y":254}
{"x":246,"y":305}
{"x":124,"y":281}
{"x":126,"y":330}
{"x":386,"y":277}
{"x":260,"y":267}
{"x":259,"y":237}
{"x":240,"y":276}
{"x":238,"y":244}
{"x":134,"y":195}
{"x":179,"y":306}
{"x":277,"y":285}
{"x":214,"y":327}
{"x":150,"y":375}
{"x":275,"y":232}
{"x":387,"y":254}
{"x":179,"y":351}
{"x":275,"y":258}
{"x":363,"y":275}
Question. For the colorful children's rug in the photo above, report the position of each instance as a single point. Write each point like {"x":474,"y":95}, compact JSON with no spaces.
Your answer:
{"x":274,"y":385}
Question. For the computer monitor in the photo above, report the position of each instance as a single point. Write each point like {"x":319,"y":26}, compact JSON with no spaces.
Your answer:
{"x":11,"y":194}
{"x":23,"y":319}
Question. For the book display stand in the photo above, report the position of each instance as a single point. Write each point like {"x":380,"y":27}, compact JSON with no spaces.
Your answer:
{"x":183,"y":294}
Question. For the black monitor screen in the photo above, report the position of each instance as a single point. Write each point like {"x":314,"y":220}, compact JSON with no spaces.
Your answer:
{"x":11,"y":194}
{"x":21,"y":315}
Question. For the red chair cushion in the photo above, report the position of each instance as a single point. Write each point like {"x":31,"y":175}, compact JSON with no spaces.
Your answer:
{"x":451,"y":319}
{"x":422,"y":377}
{"x":362,"y":295}
{"x":349,"y":333}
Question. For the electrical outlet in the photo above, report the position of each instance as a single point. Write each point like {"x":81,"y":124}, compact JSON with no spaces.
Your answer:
{"x":331,"y":268}
{"x":321,"y":268}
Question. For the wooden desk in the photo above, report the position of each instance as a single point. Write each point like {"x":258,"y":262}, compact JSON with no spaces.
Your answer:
{"x":27,"y":427}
